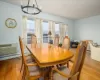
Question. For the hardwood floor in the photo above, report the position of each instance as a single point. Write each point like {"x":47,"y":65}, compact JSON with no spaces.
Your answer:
{"x":10,"y":69}
{"x":91,"y":69}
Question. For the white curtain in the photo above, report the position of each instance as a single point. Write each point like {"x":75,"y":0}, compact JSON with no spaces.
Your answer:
{"x":66,"y":30}
{"x":50,"y":25}
{"x":52,"y":29}
{"x":38,"y":30}
{"x":63,"y":31}
{"x":24,"y":32}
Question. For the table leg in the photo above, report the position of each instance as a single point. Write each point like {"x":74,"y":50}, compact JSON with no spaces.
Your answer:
{"x":51,"y":74}
{"x":48,"y":74}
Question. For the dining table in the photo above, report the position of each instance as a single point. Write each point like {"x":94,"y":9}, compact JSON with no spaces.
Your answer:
{"x":47,"y":55}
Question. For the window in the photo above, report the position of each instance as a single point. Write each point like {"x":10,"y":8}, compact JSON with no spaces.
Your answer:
{"x":45,"y":28}
{"x":57,"y":29}
{"x":30,"y":30}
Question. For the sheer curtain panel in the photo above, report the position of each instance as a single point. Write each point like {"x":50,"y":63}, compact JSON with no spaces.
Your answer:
{"x":24,"y":32}
{"x":38,"y":30}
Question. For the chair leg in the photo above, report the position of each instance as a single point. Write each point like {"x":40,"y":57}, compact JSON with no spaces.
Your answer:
{"x":21,"y":66}
{"x":51,"y":74}
{"x":23,"y":74}
{"x":23,"y":77}
{"x":78,"y":77}
{"x":68,"y":64}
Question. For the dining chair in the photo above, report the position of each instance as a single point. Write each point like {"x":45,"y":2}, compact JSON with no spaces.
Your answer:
{"x":66,"y":43}
{"x":34,"y":40}
{"x":77,"y":49}
{"x":30,"y":69}
{"x":64,"y":73}
{"x":56,"y":40}
{"x":28,"y":57}
{"x":73,"y":58}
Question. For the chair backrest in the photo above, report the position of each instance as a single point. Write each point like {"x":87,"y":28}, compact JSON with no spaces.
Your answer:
{"x":34,"y":39}
{"x":66,"y":43}
{"x":22,"y":50}
{"x":56,"y":40}
{"x":78,"y":47}
{"x":79,"y":58}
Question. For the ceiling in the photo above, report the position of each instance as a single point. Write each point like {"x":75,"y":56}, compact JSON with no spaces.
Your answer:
{"x":72,"y":9}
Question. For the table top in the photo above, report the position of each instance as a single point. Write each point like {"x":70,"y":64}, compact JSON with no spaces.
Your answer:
{"x":49,"y":55}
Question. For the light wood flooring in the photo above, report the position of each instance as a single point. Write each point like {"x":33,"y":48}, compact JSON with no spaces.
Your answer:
{"x":9,"y":69}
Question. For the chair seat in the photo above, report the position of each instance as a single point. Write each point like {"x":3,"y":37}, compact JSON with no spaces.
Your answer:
{"x":57,"y":76}
{"x":29,"y":59}
{"x":34,"y":70}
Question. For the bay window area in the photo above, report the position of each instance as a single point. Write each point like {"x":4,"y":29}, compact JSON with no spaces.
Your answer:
{"x":45,"y":31}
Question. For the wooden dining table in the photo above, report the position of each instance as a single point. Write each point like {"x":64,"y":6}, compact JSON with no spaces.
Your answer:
{"x":47,"y":55}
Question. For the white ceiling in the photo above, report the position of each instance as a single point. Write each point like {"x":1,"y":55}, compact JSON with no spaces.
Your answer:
{"x":73,"y":9}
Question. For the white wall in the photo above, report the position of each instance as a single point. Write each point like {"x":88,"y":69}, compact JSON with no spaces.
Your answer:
{"x":87,"y":29}
{"x":8,"y":35}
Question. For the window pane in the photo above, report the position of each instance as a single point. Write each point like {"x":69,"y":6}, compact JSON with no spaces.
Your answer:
{"x":45,"y":31}
{"x":30,"y":26}
{"x":30,"y":30}
{"x":56,"y":28}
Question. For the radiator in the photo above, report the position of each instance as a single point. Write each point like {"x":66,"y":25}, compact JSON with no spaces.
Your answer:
{"x":8,"y":49}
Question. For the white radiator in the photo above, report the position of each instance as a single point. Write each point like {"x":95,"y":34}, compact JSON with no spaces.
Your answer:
{"x":8,"y":49}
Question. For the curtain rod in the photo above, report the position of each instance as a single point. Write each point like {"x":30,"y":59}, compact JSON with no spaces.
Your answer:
{"x":32,"y":18}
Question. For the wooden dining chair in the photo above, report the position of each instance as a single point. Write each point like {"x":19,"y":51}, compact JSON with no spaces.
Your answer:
{"x":29,"y":57}
{"x":77,"y":49}
{"x":73,"y":58}
{"x":30,"y":69}
{"x":66,"y":43}
{"x":56,"y":40}
{"x":33,"y":40}
{"x":64,"y":73}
